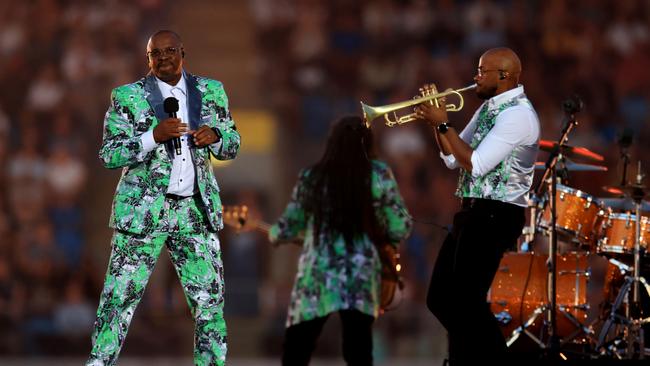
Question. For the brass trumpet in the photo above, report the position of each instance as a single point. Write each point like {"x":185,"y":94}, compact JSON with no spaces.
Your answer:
{"x":370,"y":112}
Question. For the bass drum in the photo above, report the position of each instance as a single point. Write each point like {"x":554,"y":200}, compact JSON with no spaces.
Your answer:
{"x":518,"y":292}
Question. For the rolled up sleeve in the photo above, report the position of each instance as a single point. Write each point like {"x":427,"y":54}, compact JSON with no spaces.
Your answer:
{"x":513,"y":127}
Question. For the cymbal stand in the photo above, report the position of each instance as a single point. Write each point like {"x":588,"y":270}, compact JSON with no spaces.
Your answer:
{"x":549,"y":180}
{"x":536,"y":204}
{"x":624,"y":142}
{"x":626,"y":160}
{"x":632,"y":321}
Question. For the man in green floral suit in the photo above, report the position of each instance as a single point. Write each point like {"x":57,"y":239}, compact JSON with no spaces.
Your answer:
{"x":167,"y":196}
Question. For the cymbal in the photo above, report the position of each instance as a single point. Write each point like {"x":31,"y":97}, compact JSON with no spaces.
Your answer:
{"x":627,"y":190}
{"x":623,"y":204}
{"x":571,"y":151}
{"x":573,"y":167}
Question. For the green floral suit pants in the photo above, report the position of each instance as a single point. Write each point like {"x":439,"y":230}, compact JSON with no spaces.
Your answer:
{"x":196,"y":255}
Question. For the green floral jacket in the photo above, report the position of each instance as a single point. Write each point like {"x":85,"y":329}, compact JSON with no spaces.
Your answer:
{"x":137,"y":108}
{"x":330,"y":278}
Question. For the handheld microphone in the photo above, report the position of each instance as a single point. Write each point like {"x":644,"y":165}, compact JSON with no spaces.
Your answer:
{"x":171,"y":107}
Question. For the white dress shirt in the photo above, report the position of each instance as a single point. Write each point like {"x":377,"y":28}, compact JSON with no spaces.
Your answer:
{"x":515,"y":126}
{"x":181,"y":180}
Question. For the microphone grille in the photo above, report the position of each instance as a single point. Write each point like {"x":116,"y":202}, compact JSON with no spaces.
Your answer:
{"x":170,"y":105}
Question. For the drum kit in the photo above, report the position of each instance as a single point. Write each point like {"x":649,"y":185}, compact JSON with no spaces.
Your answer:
{"x":543,"y":294}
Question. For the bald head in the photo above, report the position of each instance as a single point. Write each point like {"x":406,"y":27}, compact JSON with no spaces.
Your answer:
{"x":498,"y":71}
{"x":504,"y":59}
{"x":165,"y":33}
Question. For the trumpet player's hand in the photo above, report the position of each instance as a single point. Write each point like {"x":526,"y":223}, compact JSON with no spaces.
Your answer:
{"x":431,"y":113}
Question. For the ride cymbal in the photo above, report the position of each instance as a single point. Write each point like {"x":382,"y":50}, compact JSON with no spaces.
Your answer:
{"x":630,"y":190}
{"x":571,"y":151}
{"x":573,"y":167}
{"x":623,"y":204}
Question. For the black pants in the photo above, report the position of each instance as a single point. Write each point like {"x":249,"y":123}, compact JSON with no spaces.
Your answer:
{"x":300,"y":339}
{"x":467,"y":263}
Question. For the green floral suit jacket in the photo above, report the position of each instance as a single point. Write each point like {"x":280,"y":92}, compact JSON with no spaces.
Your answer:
{"x":138,"y":107}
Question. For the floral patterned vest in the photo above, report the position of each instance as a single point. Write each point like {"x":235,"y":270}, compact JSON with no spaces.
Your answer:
{"x":511,"y":179}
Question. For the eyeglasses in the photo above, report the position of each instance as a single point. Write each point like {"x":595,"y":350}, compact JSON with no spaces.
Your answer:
{"x":169,"y":51}
{"x":480,"y":72}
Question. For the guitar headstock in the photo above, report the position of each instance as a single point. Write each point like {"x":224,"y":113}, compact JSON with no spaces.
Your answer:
{"x":235,"y":216}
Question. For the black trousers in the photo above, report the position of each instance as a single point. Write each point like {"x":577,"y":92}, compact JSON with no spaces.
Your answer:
{"x":467,"y":263}
{"x":300,"y":339}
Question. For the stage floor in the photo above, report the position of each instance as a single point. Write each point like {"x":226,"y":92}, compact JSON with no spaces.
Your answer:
{"x":187,"y":361}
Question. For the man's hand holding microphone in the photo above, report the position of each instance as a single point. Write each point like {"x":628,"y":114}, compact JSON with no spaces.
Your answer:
{"x":174,"y":128}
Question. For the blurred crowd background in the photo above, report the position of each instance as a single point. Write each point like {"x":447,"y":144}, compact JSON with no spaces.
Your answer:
{"x":290,"y":67}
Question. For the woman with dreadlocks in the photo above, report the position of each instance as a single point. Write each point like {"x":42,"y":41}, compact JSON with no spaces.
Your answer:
{"x":344,"y":207}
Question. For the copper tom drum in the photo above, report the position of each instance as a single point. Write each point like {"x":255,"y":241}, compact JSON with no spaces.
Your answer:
{"x":577,"y":214}
{"x":617,"y":234}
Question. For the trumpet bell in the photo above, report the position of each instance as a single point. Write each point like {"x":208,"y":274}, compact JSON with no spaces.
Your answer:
{"x":369,"y":113}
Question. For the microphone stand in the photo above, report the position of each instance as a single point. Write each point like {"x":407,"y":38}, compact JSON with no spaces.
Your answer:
{"x":626,"y":160}
{"x":624,"y":142}
{"x":553,"y":346}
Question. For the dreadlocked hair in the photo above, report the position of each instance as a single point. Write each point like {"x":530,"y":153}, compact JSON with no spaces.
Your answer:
{"x":338,"y":191}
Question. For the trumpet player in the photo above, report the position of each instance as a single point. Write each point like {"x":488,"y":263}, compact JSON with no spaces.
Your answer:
{"x":496,"y":153}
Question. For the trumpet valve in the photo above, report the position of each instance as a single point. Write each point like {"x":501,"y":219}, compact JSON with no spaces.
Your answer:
{"x":430,"y":89}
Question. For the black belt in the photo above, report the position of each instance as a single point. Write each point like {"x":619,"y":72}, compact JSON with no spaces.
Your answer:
{"x":176,"y":197}
{"x":482,"y":203}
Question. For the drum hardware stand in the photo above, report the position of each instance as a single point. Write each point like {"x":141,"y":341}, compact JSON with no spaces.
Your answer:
{"x":632,"y":321}
{"x":624,"y":268}
{"x":633,"y":332}
{"x":566,"y":312}
{"x":536,"y":203}
{"x":571,"y":107}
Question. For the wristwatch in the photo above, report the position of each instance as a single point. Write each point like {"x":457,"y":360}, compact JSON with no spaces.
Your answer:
{"x":443,"y":127}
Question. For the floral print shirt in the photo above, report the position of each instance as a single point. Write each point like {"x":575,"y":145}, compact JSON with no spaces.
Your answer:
{"x":331,"y":277}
